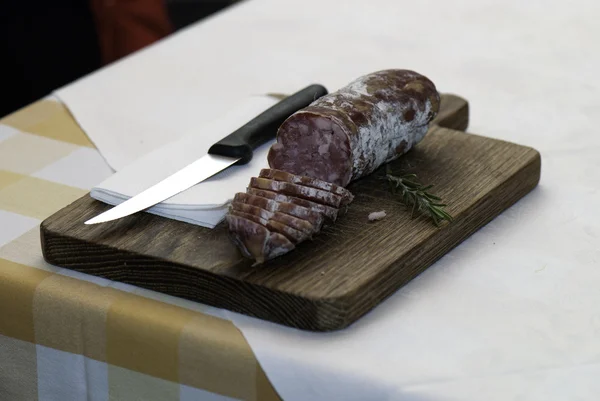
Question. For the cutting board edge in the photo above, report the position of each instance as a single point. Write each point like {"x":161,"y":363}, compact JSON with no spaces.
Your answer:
{"x":307,"y":309}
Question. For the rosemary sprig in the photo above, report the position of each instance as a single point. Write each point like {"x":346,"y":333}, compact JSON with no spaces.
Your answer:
{"x":417,"y":197}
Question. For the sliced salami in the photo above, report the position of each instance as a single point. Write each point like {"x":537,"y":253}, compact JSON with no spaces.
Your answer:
{"x":328,"y":211}
{"x":252,"y":217}
{"x":273,"y":221}
{"x":251,"y":209}
{"x":296,"y":223}
{"x":299,"y":191}
{"x":314,"y":218}
{"x":347,"y":134}
{"x":278,"y":175}
{"x":290,"y":233}
{"x":292,"y":221}
{"x":256,"y":241}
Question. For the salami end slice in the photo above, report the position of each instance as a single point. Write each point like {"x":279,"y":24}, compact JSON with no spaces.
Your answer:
{"x":256,"y":241}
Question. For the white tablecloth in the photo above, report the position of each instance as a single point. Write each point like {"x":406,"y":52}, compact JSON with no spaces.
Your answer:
{"x":514,"y":312}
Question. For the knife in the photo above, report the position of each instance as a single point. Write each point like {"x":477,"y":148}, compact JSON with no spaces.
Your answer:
{"x":236,"y":148}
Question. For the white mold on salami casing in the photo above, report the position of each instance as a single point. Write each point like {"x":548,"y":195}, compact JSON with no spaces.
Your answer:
{"x":387,"y":119}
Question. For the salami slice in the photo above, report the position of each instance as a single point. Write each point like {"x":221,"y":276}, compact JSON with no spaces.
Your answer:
{"x":256,"y":241}
{"x":273,"y":222}
{"x":347,"y":134}
{"x":290,"y":233}
{"x":251,"y":209}
{"x":300,"y":191}
{"x":284,"y":176}
{"x":314,"y":218}
{"x":296,"y":223}
{"x":328,"y":211}
{"x":252,"y":217}
{"x":289,"y":220}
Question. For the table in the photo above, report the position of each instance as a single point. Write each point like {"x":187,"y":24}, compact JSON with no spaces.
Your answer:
{"x":511,"y":314}
{"x":68,"y":336}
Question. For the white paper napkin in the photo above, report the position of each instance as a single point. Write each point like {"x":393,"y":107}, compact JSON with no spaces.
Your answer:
{"x":206,"y":203}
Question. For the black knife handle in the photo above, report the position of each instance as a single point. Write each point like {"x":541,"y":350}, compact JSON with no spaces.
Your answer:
{"x":262,"y":128}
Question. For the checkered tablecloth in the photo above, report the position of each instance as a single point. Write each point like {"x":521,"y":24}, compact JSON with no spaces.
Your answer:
{"x":68,"y":336}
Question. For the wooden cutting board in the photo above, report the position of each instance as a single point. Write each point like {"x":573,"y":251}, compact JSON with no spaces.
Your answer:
{"x":324,"y":284}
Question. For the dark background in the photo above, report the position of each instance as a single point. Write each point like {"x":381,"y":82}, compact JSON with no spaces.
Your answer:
{"x":45,"y":44}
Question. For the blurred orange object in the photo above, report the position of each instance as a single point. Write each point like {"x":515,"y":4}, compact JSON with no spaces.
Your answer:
{"x":125,"y":26}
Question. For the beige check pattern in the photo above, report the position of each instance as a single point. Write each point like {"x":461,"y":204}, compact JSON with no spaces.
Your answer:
{"x":68,"y":336}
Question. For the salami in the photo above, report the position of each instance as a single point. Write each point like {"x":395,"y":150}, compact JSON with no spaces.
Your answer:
{"x":339,"y":138}
{"x":301,"y":212}
{"x":290,"y":233}
{"x":327,"y":211}
{"x":347,"y":134}
{"x":300,"y":191}
{"x":284,"y":176}
{"x":296,"y":223}
{"x":289,"y":220}
{"x":250,"y":209}
{"x":252,"y":217}
{"x":256,"y":241}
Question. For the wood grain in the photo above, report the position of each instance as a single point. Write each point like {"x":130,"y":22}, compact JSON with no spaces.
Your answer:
{"x":330,"y":282}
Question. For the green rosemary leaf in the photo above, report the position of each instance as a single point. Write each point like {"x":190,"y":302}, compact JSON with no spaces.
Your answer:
{"x":417,"y":197}
{"x":409,"y":183}
{"x":414,"y":209}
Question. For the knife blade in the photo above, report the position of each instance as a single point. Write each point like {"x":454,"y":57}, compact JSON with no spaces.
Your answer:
{"x":236,"y":148}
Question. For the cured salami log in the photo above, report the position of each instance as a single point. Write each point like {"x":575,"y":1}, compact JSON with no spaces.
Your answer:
{"x":347,"y":134}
